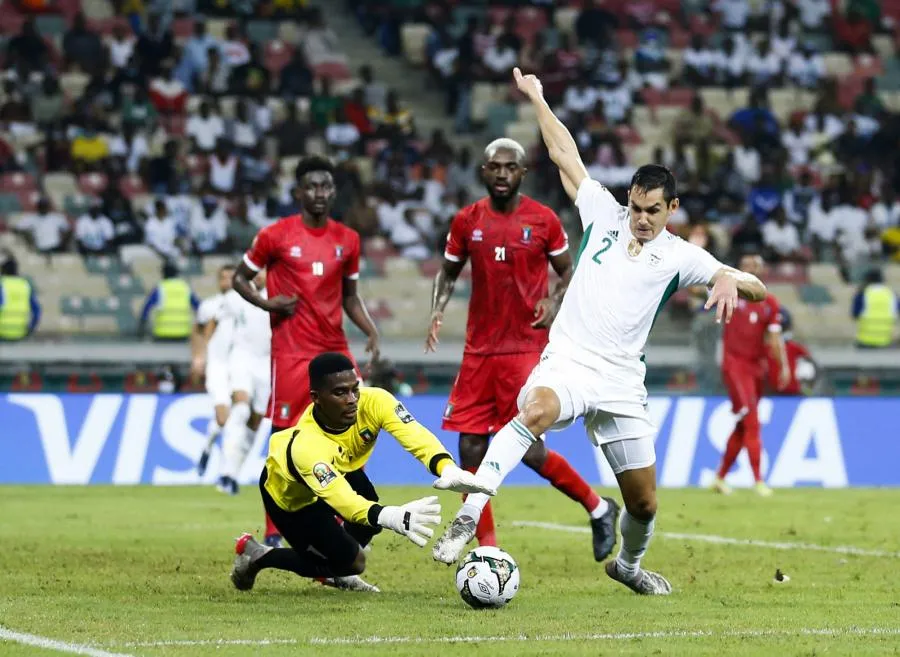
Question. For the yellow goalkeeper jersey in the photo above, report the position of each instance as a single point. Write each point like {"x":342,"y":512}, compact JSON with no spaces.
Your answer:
{"x":307,"y":463}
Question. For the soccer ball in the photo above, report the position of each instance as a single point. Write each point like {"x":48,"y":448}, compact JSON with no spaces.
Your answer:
{"x":487,"y":578}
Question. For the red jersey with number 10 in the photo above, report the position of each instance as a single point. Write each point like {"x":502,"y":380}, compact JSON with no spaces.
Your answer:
{"x":509,"y":255}
{"x":744,"y":337}
{"x":310,"y":263}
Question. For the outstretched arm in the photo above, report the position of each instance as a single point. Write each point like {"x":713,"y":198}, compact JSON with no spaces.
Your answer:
{"x":441,"y":291}
{"x":727,"y":284}
{"x":559,"y":141}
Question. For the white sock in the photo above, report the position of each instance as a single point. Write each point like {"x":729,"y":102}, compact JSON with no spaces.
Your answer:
{"x":601,"y":508}
{"x":234,"y":440}
{"x":506,"y":450}
{"x":636,"y":536}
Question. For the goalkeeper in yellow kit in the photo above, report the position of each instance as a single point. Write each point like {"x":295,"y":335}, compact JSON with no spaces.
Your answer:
{"x":314,"y":472}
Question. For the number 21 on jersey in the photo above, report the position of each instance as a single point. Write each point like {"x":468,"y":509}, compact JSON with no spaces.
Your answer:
{"x":500,"y":254}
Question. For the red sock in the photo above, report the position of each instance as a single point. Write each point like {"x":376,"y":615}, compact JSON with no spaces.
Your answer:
{"x":271,"y":529}
{"x":732,"y":449}
{"x":753,"y":442}
{"x":485,"y":531}
{"x":566,"y":479}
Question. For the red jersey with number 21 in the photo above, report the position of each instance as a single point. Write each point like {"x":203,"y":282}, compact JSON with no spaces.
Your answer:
{"x":509,"y":255}
{"x":310,"y":263}
{"x":744,"y":337}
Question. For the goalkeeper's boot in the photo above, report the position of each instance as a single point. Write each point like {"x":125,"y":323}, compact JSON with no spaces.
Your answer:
{"x":644,"y":582}
{"x":244,"y":570}
{"x":762,"y":489}
{"x":350,"y":583}
{"x":603,"y":530}
{"x":449,"y":547}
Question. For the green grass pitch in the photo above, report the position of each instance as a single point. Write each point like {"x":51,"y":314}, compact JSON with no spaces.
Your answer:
{"x":144,"y":572}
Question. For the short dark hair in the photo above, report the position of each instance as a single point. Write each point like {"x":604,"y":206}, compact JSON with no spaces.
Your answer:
{"x":227,"y":267}
{"x":655,"y":176}
{"x":10,"y":266}
{"x":170,"y":269}
{"x":873,"y":276}
{"x":327,"y":363}
{"x":313,"y":163}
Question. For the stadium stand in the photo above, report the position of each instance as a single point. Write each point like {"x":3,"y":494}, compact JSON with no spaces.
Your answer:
{"x":761,"y":109}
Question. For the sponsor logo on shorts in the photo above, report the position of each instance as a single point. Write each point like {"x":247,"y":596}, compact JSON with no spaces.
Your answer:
{"x":448,"y":411}
{"x":526,"y":234}
{"x":404,"y":415}
{"x":367,"y":435}
{"x":296,"y":251}
{"x":323,"y":473}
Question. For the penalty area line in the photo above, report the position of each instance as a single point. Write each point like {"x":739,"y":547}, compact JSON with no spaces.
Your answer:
{"x":726,"y":540}
{"x":47,"y":643}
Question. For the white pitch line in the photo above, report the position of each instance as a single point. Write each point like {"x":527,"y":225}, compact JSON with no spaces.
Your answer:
{"x":725,"y":540}
{"x":519,"y":638}
{"x":52,"y":644}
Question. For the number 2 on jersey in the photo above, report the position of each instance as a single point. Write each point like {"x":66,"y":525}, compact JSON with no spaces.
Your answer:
{"x":604,"y":247}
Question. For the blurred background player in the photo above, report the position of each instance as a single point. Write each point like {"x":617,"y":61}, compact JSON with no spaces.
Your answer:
{"x":754,"y":328}
{"x":249,"y":365}
{"x":313,"y":271}
{"x":875,"y":309}
{"x":801,"y":365}
{"x":20,"y":311}
{"x":509,"y":239}
{"x":170,"y":307}
{"x":210,"y":347}
{"x":314,"y":473}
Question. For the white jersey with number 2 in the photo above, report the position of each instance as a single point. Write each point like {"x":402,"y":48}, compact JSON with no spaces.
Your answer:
{"x":613,"y":298}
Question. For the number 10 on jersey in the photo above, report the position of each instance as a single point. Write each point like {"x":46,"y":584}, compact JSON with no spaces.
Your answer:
{"x":318,"y":268}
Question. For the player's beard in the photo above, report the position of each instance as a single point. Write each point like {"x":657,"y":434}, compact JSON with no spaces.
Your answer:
{"x":504,"y":197}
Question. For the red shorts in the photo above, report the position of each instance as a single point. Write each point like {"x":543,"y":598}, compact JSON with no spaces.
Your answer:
{"x":484,"y":394}
{"x":744,"y":381}
{"x":290,"y":388}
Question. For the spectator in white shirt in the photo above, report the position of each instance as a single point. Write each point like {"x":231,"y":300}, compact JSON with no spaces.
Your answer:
{"x":241,"y":130}
{"x":580,"y":98}
{"x":747,"y":160}
{"x":342,"y":136}
{"x":734,"y":13}
{"x":798,"y":142}
{"x":617,"y":102}
{"x":699,"y":63}
{"x":48,"y":231}
{"x":886,"y":213}
{"x":732,"y":62}
{"x":806,"y":68}
{"x":784,"y":43}
{"x":197,"y":48}
{"x":234,"y":50}
{"x":813,"y":14}
{"x":765,"y":66}
{"x":121,"y":47}
{"x":161,"y":232}
{"x":209,"y":226}
{"x":408,"y":238}
{"x":94,"y":232}
{"x":205,"y":129}
{"x":781,"y":237}
{"x":130,"y":148}
{"x":261,"y":210}
{"x":500,"y":58}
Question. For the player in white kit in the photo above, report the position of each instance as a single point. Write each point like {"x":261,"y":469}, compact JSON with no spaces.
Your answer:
{"x":626,"y":269}
{"x":210,"y":350}
{"x":249,"y":366}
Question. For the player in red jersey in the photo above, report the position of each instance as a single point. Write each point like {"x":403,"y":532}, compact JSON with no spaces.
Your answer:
{"x":801,"y":365}
{"x":313,"y":267}
{"x":754,"y":327}
{"x":509,"y":239}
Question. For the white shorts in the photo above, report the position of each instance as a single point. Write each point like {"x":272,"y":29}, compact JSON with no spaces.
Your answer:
{"x":218,"y":386}
{"x":250,"y":374}
{"x":609,"y":422}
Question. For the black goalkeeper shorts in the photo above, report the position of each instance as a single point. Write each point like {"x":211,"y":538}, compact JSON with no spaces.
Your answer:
{"x":317,"y":526}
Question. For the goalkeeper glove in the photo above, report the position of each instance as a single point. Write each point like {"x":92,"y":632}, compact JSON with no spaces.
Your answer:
{"x":460,"y":481}
{"x":412,"y":519}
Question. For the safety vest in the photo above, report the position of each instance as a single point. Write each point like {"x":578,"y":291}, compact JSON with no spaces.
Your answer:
{"x":875,"y":326}
{"x":15,"y":313}
{"x":174,"y":316}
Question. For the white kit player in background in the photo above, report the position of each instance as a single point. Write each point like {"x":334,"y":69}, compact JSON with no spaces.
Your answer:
{"x":210,"y":350}
{"x":627,"y":268}
{"x":251,"y":382}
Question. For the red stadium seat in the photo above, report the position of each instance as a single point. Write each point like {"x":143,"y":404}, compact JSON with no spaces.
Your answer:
{"x":105,"y":26}
{"x":627,"y":39}
{"x":867,"y":66}
{"x":277,"y":55}
{"x":10,"y":20}
{"x":379,"y":309}
{"x":174,"y":124}
{"x":17,"y":182}
{"x":92,"y":184}
{"x":131,"y":185}
{"x":197,"y":165}
{"x":333,"y":71}
{"x":183,"y":28}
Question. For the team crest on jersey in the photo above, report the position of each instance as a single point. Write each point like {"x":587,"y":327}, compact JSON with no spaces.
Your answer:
{"x":404,"y":415}
{"x":477,"y":235}
{"x":654,"y":259}
{"x":367,"y":435}
{"x":323,"y":474}
{"x":296,"y":251}
{"x":526,"y":234}
{"x":338,"y":252}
